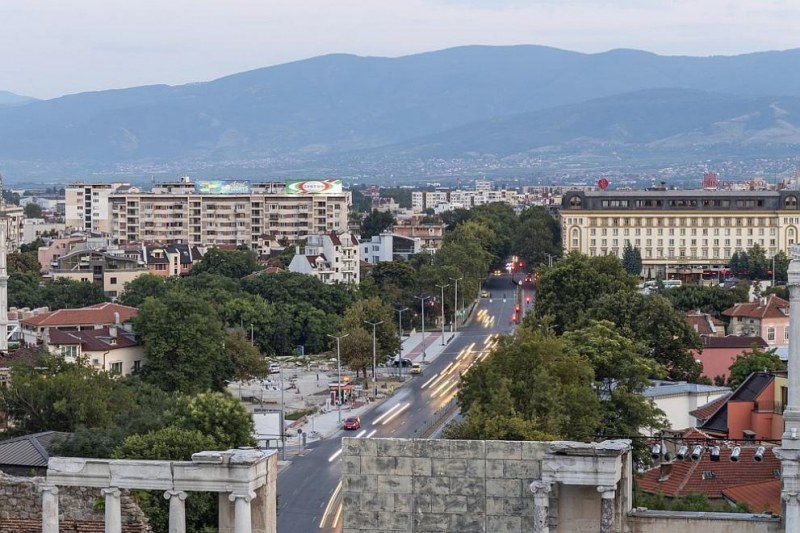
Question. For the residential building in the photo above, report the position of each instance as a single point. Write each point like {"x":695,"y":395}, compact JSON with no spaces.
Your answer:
{"x":331,"y":257}
{"x":33,"y":228}
{"x":679,"y":233}
{"x":86,"y":205}
{"x":767,"y":317}
{"x":705,"y":324}
{"x":109,"y":268}
{"x":170,"y":259}
{"x":58,"y":247}
{"x":754,"y":411}
{"x":28,"y":455}
{"x":389,"y":247}
{"x":228,"y":214}
{"x":678,"y":399}
{"x":431,"y":236}
{"x":109,"y":348}
{"x":718,"y":353}
{"x":37,"y":327}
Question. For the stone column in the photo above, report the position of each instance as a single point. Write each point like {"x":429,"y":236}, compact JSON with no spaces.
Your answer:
{"x":113,"y":510}
{"x":242,"y":522}
{"x":607,"y":495}
{"x":225,"y":514}
{"x":791,"y":413}
{"x":792,"y":511}
{"x":177,"y":510}
{"x":49,"y":508}
{"x":541,"y":506}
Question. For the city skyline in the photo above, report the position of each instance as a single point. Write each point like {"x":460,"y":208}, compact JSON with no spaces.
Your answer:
{"x":92,"y":46}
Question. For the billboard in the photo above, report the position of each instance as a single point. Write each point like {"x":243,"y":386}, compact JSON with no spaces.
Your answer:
{"x":222,"y":187}
{"x":314,"y":187}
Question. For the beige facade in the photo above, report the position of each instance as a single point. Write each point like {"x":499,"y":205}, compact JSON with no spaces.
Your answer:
{"x":679,"y":231}
{"x":333,"y":258}
{"x":111,"y":270}
{"x":177,"y":213}
{"x":86,"y":206}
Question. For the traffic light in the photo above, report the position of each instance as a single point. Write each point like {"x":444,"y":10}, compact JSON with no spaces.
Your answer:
{"x":520,"y":264}
{"x":528,"y":300}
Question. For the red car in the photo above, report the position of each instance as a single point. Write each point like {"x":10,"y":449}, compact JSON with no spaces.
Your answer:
{"x":353,"y":422}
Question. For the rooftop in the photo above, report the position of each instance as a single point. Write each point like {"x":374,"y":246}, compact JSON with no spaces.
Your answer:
{"x":94,"y":315}
{"x":769,"y":307}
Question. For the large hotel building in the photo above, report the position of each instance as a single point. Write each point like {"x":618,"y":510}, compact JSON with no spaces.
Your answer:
{"x":216,"y":213}
{"x":679,"y":232}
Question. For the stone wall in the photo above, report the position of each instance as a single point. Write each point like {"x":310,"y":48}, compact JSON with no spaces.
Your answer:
{"x":439,"y":485}
{"x":688,"y":522}
{"x":21,"y":508}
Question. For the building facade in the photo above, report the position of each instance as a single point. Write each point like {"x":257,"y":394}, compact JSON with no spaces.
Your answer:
{"x":687,"y":232}
{"x":331,"y":257}
{"x":258,"y":216}
{"x":111,"y":269}
{"x":86,"y":205}
{"x":389,"y":247}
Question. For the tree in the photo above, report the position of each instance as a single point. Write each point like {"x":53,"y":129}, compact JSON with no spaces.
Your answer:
{"x":32,"y":210}
{"x":183,"y":342}
{"x":740,"y":264}
{"x":170,"y":443}
{"x":759,"y":265}
{"x":632,"y":260}
{"x":546,"y":387}
{"x":537,"y":237}
{"x":293,"y":288}
{"x":756,"y":360}
{"x":621,"y":372}
{"x":217,"y":415}
{"x":234,"y":264}
{"x":356,"y":350}
{"x":24,"y":263}
{"x":145,"y":286}
{"x":781,"y":266}
{"x":374,"y":310}
{"x":570,"y":289}
{"x":375,"y":223}
{"x":65,"y":293}
{"x":713,"y":300}
{"x":248,"y":363}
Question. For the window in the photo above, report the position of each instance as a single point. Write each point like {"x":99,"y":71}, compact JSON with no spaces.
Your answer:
{"x":113,"y":281}
{"x":137,"y":365}
{"x":771,"y":333}
{"x":116,"y":368}
{"x":786,"y":333}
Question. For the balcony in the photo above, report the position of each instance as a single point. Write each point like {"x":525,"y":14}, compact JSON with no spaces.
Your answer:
{"x":768,"y":407}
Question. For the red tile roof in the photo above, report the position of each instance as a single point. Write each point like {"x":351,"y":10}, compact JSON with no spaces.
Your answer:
{"x":759,"y":497}
{"x":733,"y":341}
{"x":710,"y":477}
{"x":704,"y":412}
{"x":702,"y":323}
{"x":774,"y":307}
{"x":93,"y":340}
{"x":94,"y":315}
{"x":335,"y":238}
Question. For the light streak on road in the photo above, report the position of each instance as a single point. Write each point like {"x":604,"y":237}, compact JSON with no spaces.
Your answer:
{"x":443,"y":386}
{"x":338,"y":515}
{"x":429,"y":381}
{"x":336,"y":454}
{"x":361,"y":433}
{"x":394,"y":415}
{"x":371,"y":433}
{"x":449,"y":387}
{"x":384,"y":415}
{"x":329,"y":506}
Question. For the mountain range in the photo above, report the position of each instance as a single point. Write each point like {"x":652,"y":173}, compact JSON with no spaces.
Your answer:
{"x":460,"y":102}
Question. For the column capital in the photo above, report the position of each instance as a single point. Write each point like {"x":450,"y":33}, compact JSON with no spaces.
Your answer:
{"x":541,"y":488}
{"x":790,"y":497}
{"x":169,"y":494}
{"x":52,"y":489}
{"x":250,"y":496}
{"x":607,"y":492}
{"x":111,"y":491}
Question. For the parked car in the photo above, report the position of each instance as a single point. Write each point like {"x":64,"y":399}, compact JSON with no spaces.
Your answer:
{"x":416,"y":368}
{"x":404,"y":362}
{"x":485,"y":294}
{"x":353,"y":422}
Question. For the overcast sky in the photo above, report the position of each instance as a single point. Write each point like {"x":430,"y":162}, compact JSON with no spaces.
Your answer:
{"x":53,"y":47}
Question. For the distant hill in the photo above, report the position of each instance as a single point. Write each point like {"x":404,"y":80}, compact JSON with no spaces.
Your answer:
{"x":9,"y":99}
{"x":654,"y":120}
{"x":342,"y":103}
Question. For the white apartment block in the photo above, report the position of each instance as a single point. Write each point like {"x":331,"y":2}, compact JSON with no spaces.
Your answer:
{"x":259,"y":216}
{"x":86,"y":205}
{"x":389,"y":247}
{"x":445,"y":200}
{"x":332,"y":257}
{"x":686,"y":232}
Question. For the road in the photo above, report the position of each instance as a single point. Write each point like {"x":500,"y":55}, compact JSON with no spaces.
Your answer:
{"x":309,"y":490}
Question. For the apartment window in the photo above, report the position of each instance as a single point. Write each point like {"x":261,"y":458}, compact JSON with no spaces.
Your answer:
{"x":113,"y":281}
{"x":771,"y":334}
{"x":116,"y":368}
{"x":137,"y":365}
{"x":786,"y":333}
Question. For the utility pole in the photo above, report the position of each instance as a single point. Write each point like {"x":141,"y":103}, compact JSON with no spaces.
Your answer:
{"x":422,"y":307}
{"x":443,"y":287}
{"x":400,"y":337}
{"x":374,"y":358}
{"x":455,"y":303}
{"x":339,"y":371}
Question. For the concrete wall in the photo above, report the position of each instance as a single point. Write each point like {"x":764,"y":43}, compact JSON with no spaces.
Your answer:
{"x":687,"y":522}
{"x":440,"y":485}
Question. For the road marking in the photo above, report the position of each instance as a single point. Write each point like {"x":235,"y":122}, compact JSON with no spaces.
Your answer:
{"x":361,"y":433}
{"x":405,"y":406}
{"x":371,"y":433}
{"x":384,"y":415}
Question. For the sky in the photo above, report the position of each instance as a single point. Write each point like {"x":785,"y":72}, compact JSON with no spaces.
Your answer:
{"x":51,"y":48}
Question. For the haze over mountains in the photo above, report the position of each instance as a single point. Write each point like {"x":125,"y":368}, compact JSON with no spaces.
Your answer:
{"x":457,"y":103}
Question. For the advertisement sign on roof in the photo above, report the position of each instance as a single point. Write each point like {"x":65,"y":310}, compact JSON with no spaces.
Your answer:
{"x":222,"y":187}
{"x":314,"y":187}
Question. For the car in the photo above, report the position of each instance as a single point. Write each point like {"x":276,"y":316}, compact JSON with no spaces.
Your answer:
{"x":404,"y":362}
{"x":497,"y":272}
{"x":486,"y":294}
{"x":353,"y":422}
{"x":416,"y":368}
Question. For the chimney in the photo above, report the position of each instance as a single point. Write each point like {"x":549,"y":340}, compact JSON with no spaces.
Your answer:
{"x":112,"y":330}
{"x":665,"y":471}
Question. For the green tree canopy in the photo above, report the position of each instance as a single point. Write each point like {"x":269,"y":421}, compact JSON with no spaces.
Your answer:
{"x":234,"y":264}
{"x":248,"y":363}
{"x":169,"y":443}
{"x":144,"y":286}
{"x":374,"y":310}
{"x":375,"y":222}
{"x":32,"y":210}
{"x":755,"y":360}
{"x":537,"y":236}
{"x":356,"y":349}
{"x":713,"y":300}
{"x":632,"y":259}
{"x":217,"y":415}
{"x":293,"y":288}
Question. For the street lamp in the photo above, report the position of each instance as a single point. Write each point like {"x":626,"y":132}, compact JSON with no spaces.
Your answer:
{"x":400,"y":337}
{"x":549,"y":260}
{"x":443,"y":287}
{"x":455,"y":302}
{"x":374,"y":361}
{"x":339,"y":370}
{"x":422,"y":306}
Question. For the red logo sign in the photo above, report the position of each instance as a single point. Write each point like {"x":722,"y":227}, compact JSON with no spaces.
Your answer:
{"x":602,"y":183}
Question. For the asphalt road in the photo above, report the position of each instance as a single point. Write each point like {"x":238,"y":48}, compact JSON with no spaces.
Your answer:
{"x":309,"y":490}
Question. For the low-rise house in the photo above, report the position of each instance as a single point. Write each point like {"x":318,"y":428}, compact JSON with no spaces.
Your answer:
{"x":705,"y":324}
{"x":719,"y":353}
{"x":767,"y":317}
{"x":678,"y":400}
{"x":431,"y":236}
{"x":389,"y":247}
{"x":754,"y":411}
{"x":36,"y":328}
{"x":111,"y":269}
{"x":331,"y":257}
{"x":170,"y":259}
{"x":109,"y":348}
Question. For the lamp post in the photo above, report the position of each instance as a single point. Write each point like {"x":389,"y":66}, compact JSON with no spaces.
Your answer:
{"x":283,"y":417}
{"x":549,"y":260}
{"x":455,"y":302}
{"x":374,"y":357}
{"x":338,"y":370}
{"x":422,"y":307}
{"x":400,"y":337}
{"x":443,"y":287}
